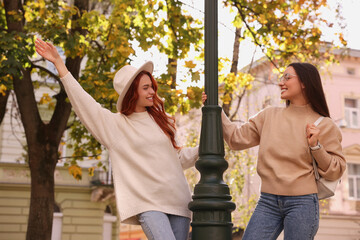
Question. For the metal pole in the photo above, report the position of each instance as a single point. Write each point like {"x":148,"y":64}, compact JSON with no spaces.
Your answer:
{"x":211,"y":203}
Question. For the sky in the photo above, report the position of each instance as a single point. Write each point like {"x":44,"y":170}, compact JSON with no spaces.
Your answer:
{"x":351,"y":16}
{"x":350,"y":13}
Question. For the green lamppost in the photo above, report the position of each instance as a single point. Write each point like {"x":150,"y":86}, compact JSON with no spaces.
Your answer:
{"x":211,"y":205}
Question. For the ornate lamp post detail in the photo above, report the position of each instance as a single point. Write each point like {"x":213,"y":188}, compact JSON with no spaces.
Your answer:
{"x":211,"y":203}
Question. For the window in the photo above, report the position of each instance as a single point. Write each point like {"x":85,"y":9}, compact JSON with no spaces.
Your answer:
{"x":352,"y":112}
{"x":354,"y":181}
{"x":350,"y":71}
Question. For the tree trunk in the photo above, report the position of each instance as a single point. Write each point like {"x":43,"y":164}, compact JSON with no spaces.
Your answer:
{"x":17,"y":26}
{"x":42,"y":139}
{"x":172,"y":70}
{"x":3,"y":102}
{"x":172,"y":61}
{"x":233,"y":69}
{"x":42,"y":153}
{"x":43,"y":159}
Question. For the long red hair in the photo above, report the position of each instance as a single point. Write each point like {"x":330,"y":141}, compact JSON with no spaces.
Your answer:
{"x":157,"y":111}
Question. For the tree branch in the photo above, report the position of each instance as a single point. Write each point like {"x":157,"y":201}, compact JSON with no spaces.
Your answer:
{"x":239,"y":7}
{"x":54,"y":76}
{"x":238,"y":104}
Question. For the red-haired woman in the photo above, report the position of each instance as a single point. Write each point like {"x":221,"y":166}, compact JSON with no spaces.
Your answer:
{"x":150,"y":186}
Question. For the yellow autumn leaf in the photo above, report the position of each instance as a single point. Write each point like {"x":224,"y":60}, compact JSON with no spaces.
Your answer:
{"x":190,"y":64}
{"x":42,"y":4}
{"x":296,"y":8}
{"x":3,"y":88}
{"x":262,"y":19}
{"x":226,"y":99}
{"x":190,"y":93}
{"x":28,"y":16}
{"x":45,"y":99}
{"x":287,"y":34}
{"x":91,"y":171}
{"x":13,"y":12}
{"x":75,"y":171}
{"x":315,"y":31}
{"x":282,"y":46}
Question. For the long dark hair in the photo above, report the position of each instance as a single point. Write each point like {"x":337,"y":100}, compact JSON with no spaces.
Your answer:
{"x":310,"y":77}
{"x":157,"y":111}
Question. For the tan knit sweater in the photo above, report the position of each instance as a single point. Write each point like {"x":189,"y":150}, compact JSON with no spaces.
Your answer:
{"x":147,"y":169}
{"x":284,"y":162}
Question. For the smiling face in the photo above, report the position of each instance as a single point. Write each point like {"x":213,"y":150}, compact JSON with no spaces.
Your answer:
{"x":146,"y":93}
{"x":292,"y":88}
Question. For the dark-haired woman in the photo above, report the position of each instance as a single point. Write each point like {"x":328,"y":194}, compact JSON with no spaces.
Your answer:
{"x":150,"y":186}
{"x":286,"y":136}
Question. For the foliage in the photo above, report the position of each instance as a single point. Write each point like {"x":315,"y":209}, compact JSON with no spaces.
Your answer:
{"x":168,"y":26}
{"x":14,"y":51}
{"x":233,"y":83}
{"x":241,"y":169}
{"x":285,"y":31}
{"x":103,"y":37}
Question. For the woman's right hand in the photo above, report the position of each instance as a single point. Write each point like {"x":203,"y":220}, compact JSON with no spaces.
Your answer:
{"x":47,"y":50}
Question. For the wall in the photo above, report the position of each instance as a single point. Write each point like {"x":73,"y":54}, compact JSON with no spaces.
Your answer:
{"x":81,"y":220}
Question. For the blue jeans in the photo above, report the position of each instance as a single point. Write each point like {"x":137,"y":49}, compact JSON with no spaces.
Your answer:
{"x":298,"y":216}
{"x":161,"y":226}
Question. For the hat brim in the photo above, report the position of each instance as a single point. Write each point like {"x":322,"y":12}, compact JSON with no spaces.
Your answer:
{"x":148,"y":67}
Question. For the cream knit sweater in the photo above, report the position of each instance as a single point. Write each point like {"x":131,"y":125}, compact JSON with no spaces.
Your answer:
{"x":147,"y":169}
{"x":284,"y":163}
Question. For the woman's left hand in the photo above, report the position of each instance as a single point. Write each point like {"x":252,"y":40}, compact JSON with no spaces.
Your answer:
{"x":312,"y":133}
{"x":203,"y":97}
{"x":47,"y":50}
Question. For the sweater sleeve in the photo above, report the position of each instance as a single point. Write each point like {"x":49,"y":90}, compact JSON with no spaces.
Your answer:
{"x":330,"y":159}
{"x":96,"y":119}
{"x":188,"y":156}
{"x":244,"y":136}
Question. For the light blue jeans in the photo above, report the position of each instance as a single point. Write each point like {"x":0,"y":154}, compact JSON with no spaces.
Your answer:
{"x":161,"y":226}
{"x":298,"y":216}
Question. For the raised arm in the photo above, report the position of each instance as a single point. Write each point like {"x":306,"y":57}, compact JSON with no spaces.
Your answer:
{"x":98,"y":120}
{"x":49,"y":52}
{"x":238,"y":137}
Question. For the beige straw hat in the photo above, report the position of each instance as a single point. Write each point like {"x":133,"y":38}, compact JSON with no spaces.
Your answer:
{"x":124,"y":78}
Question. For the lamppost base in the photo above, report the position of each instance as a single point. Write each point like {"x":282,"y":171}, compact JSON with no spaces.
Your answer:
{"x":211,"y":205}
